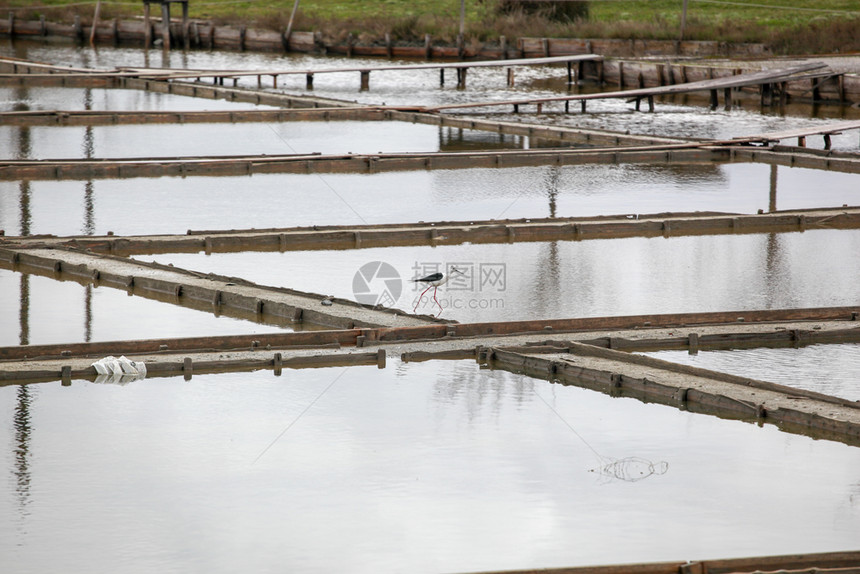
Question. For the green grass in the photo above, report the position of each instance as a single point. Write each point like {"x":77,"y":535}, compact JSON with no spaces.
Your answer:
{"x":788,"y":25}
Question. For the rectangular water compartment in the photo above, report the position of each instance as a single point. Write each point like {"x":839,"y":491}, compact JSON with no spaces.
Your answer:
{"x":373,"y":470}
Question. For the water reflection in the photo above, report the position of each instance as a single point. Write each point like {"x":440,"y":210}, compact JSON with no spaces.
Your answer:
{"x":21,"y":448}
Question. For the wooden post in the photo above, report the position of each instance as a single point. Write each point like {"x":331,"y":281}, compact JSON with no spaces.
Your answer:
{"x":801,"y":141}
{"x":309,"y":81}
{"x":461,"y":78}
{"x":290,"y":26}
{"x":545,"y":45}
{"x":569,"y":73}
{"x":11,"y":25}
{"x":683,"y":20}
{"x":827,"y":142}
{"x":510,"y":77}
{"x":115,"y":31}
{"x":503,"y":43}
{"x":365,"y":80}
{"x":388,"y":47}
{"x":714,"y":100}
{"x":650,"y":103}
{"x":428,"y":47}
{"x":95,"y":23}
{"x":582,"y":106}
{"x":620,"y":75}
{"x":185,"y":35}
{"x":165,"y":25}
{"x":79,"y":31}
{"x":727,"y":97}
{"x":147,"y":27}
{"x":350,"y":42}
{"x":441,"y":77}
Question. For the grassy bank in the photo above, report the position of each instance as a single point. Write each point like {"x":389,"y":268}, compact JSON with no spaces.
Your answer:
{"x":789,"y":26}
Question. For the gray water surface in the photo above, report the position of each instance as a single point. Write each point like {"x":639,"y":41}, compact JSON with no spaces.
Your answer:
{"x":433,"y":467}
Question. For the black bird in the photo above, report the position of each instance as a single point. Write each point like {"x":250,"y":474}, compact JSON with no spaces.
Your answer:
{"x":435,"y":280}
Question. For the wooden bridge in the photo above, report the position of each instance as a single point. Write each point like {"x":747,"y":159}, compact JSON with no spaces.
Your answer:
{"x":713,"y":86}
{"x":461,"y":68}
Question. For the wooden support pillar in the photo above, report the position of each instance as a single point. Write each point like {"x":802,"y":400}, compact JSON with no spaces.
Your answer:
{"x":503,"y":45}
{"x":539,"y":107}
{"x":801,"y":141}
{"x":441,"y":77}
{"x":365,"y":80}
{"x":620,"y":75}
{"x":582,"y":106}
{"x":510,"y":77}
{"x":841,"y":83}
{"x":115,"y":31}
{"x":569,"y":73}
{"x":350,"y":43}
{"x":428,"y":47}
{"x":650,"y":103}
{"x":638,"y":104}
{"x":816,"y":90}
{"x":11,"y":25}
{"x":727,"y":97}
{"x":461,"y":78}
{"x":567,"y":106}
{"x":516,"y":108}
{"x":660,"y":79}
{"x":389,"y":49}
{"x":580,"y":71}
{"x":186,"y":37}
{"x":783,"y":94}
{"x":79,"y":30}
{"x":165,"y":25}
{"x":309,"y":81}
{"x":827,"y":141}
{"x":275,"y":81}
{"x":147,"y":27}
{"x":259,"y":81}
{"x":243,"y":31}
{"x":640,"y":79}
{"x":545,"y":45}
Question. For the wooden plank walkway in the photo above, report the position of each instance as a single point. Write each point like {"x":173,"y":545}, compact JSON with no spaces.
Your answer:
{"x":223,"y":295}
{"x":713,"y":86}
{"x":801,"y":134}
{"x":343,"y":237}
{"x":461,"y":67}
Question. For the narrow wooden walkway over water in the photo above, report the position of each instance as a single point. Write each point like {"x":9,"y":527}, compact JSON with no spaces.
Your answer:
{"x":713,"y":86}
{"x":461,"y":67}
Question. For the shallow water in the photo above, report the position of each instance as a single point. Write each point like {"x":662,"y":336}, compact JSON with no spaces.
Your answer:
{"x":505,"y":282}
{"x":432,"y":467}
{"x":422,"y":467}
{"x":829,"y":369}
{"x":37,"y":310}
{"x":137,"y":206}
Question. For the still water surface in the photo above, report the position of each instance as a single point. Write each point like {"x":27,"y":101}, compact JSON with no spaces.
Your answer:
{"x":433,"y":467}
{"x":426,"y":467}
{"x":830,"y":369}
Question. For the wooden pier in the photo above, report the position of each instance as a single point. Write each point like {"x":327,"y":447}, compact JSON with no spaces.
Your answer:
{"x":461,"y":68}
{"x":712,"y":86}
